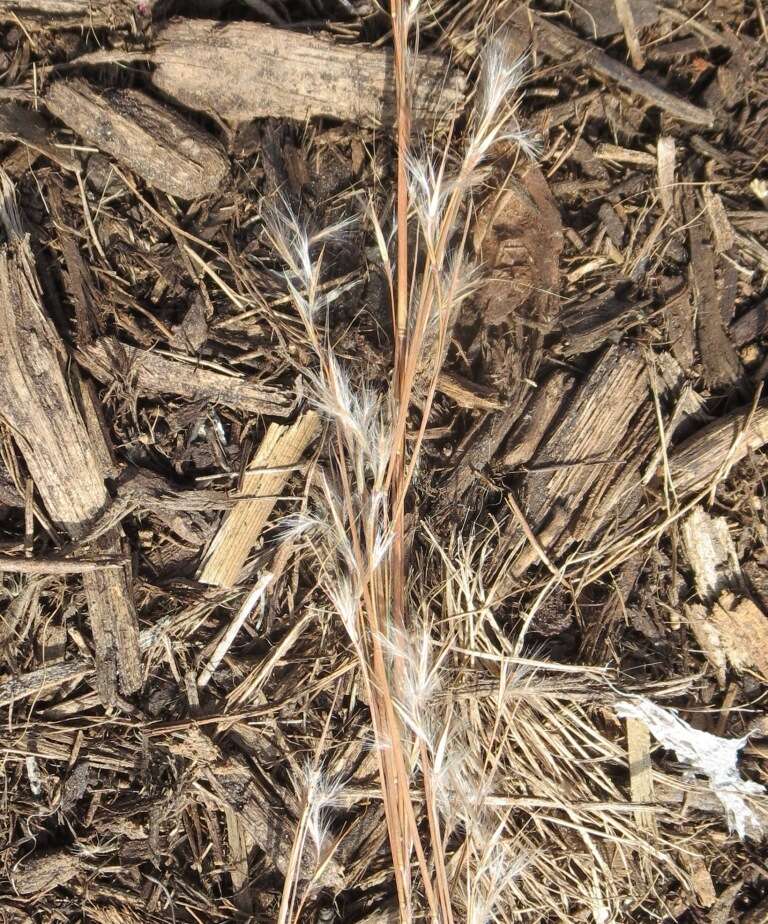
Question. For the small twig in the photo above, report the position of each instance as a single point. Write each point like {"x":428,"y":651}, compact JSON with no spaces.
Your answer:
{"x":234,"y":627}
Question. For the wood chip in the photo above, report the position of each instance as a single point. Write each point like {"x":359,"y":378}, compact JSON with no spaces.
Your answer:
{"x":723,"y":235}
{"x":711,"y":553}
{"x":665,"y":166}
{"x":240,"y":71}
{"x":151,"y":373}
{"x":151,"y":139}
{"x":701,"y":880}
{"x":626,"y":17}
{"x":641,"y":772}
{"x":282,"y":447}
{"x":52,"y":14}
{"x":695,"y":462}
{"x":562,"y":45}
{"x":58,"y":451}
{"x":718,"y":354}
{"x":743,"y":631}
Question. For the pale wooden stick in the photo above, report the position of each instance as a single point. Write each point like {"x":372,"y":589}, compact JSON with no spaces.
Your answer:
{"x":234,"y":627}
{"x":281,"y":448}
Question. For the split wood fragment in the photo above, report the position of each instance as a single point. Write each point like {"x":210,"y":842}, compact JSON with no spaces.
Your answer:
{"x":152,"y":373}
{"x":165,"y":150}
{"x":57,"y":448}
{"x":240,"y":71}
{"x":14,"y":565}
{"x":696,"y":461}
{"x":282,"y":447}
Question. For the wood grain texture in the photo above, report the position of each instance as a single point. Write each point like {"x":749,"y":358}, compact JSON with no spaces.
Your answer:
{"x":57,"y":13}
{"x":36,"y":403}
{"x":695,"y":462}
{"x":587,"y":437}
{"x":244,"y":70}
{"x":281,"y":448}
{"x":152,"y":140}
{"x":151,"y":373}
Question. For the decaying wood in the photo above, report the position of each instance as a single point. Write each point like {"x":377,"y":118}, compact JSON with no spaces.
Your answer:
{"x":58,"y":13}
{"x":711,"y":553}
{"x":589,"y":434}
{"x":151,"y":373}
{"x":718,"y":355}
{"x":31,"y":129}
{"x":562,"y":45}
{"x":57,"y":448}
{"x":152,"y":140}
{"x":695,"y":462}
{"x":241,"y":71}
{"x":280,"y":450}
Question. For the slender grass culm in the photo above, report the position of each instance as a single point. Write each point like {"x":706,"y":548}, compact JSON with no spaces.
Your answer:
{"x":498,"y":783}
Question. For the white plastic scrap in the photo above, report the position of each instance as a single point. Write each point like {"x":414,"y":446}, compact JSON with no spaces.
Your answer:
{"x":710,"y":755}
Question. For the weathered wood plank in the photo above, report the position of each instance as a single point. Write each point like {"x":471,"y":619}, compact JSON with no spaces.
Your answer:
{"x":244,"y":70}
{"x":165,"y":150}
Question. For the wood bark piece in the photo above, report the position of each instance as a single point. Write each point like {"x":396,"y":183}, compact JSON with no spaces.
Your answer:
{"x":152,"y":140}
{"x":57,"y":448}
{"x":711,"y":553}
{"x":243,"y":70}
{"x":694,"y":463}
{"x":151,"y":373}
{"x":562,"y":45}
{"x":31,"y":129}
{"x":752,"y":325}
{"x":589,"y":434}
{"x":280,"y":450}
{"x":57,"y":13}
{"x":718,"y":354}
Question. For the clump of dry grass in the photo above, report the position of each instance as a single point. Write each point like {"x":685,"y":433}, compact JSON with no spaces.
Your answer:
{"x":503,"y":782}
